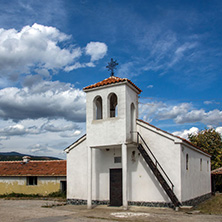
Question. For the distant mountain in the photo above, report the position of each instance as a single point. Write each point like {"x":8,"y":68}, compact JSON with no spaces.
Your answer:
{"x":10,"y":156}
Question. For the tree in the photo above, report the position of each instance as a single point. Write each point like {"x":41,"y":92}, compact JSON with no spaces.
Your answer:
{"x":209,"y":141}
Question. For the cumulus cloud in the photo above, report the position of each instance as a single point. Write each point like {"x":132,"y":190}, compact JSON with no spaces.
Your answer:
{"x":148,"y":111}
{"x":43,"y":100}
{"x":36,"y":44}
{"x":193,"y":130}
{"x":172,"y":112}
{"x":70,"y":134}
{"x":18,"y":130}
{"x":213,"y":117}
{"x":41,"y":46}
{"x":59,"y":126}
{"x":184,"y":133}
{"x":219,"y":130}
{"x":97,"y":50}
{"x":180,"y":114}
{"x":40,"y":149}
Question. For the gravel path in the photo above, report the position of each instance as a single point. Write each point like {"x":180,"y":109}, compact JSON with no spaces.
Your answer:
{"x":51,"y":211}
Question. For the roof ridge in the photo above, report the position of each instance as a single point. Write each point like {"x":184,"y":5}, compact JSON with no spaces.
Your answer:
{"x":111,"y":80}
{"x":18,"y":161}
{"x":185,"y":140}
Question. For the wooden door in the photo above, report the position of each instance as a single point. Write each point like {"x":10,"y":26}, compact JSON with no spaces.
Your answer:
{"x":116,"y":187}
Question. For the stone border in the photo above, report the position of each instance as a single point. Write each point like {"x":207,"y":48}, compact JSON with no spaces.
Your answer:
{"x":197,"y":200}
{"x":130,"y":203}
{"x":150,"y":204}
{"x":84,"y":202}
{"x":76,"y":201}
{"x":191,"y":202}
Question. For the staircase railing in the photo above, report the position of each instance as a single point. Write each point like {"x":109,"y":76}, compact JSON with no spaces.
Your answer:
{"x":139,"y":137}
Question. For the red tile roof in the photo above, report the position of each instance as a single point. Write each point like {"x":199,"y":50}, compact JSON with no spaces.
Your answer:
{"x":217,"y":171}
{"x":33,"y":168}
{"x":111,"y":80}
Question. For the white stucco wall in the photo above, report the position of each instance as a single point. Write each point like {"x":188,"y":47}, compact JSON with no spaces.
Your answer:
{"x":195,"y":182}
{"x":77,"y":172}
{"x":166,"y":152}
{"x":110,"y":131}
{"x":142,"y":184}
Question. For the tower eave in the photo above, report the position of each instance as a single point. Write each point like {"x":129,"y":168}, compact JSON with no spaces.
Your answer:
{"x":111,"y":81}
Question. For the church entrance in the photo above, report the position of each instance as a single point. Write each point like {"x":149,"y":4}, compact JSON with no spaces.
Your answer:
{"x":116,"y":187}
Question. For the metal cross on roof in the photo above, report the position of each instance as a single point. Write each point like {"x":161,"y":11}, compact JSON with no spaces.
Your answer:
{"x":111,"y":66}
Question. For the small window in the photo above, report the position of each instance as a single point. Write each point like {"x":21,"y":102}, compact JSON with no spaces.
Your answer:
{"x":31,"y":181}
{"x":200,"y":164}
{"x":113,"y":104}
{"x":207,"y":166}
{"x":187,"y":161}
{"x":98,"y":108}
{"x":117,"y":159}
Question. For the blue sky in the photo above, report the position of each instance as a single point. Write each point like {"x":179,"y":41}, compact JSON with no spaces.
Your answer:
{"x":50,"y":50}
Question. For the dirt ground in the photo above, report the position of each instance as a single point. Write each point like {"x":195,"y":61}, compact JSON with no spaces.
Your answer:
{"x":52,"y":211}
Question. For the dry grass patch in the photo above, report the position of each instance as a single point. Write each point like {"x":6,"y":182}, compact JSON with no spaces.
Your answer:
{"x":211,"y":206}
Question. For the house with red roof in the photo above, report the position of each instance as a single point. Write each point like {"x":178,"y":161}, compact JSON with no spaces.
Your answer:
{"x":32,"y":176}
{"x":124,"y":161}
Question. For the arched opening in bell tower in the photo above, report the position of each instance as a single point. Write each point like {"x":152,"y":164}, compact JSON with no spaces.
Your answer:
{"x":98,"y":108}
{"x":112,"y":105}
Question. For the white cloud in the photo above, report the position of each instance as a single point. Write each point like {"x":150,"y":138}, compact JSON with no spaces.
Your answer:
{"x":18,"y":129}
{"x":71,"y":134}
{"x":149,"y":86}
{"x":208,"y":102}
{"x":43,"y":100}
{"x":184,"y":133}
{"x":41,"y":149}
{"x":59,"y":126}
{"x":97,"y":50}
{"x":211,"y":102}
{"x":219,"y":130}
{"x":180,"y":114}
{"x":193,"y":130}
{"x":213,"y":117}
{"x":34,"y":45}
{"x":172,"y":112}
{"x":39,"y":47}
{"x":180,"y":51}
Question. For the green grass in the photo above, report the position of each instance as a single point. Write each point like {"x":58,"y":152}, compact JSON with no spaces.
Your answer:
{"x":211,"y":206}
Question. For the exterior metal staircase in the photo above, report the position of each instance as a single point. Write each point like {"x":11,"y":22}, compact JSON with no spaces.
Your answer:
{"x":157,"y":170}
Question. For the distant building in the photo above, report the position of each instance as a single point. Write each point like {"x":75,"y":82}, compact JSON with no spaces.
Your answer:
{"x":32,"y":177}
{"x":125,"y":161}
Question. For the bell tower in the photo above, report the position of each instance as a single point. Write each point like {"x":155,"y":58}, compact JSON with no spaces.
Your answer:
{"x":111,"y":112}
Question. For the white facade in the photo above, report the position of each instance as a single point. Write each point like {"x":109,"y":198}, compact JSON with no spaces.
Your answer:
{"x":110,"y":131}
{"x":91,"y":159}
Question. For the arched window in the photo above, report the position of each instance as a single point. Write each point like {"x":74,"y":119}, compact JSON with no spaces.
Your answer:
{"x":113,"y":104}
{"x":98,"y":108}
{"x":187,"y":161}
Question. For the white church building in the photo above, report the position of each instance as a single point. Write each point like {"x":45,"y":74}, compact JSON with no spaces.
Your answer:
{"x":124,"y":161}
